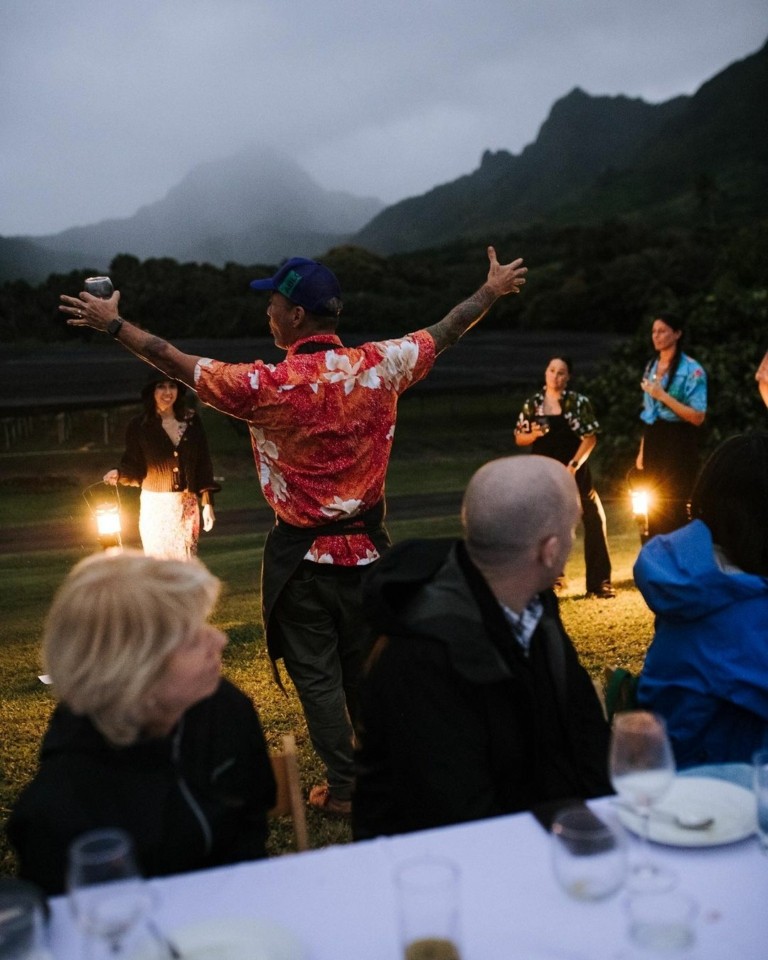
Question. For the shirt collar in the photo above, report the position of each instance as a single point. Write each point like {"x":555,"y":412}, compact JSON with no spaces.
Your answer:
{"x":325,"y":339}
{"x":524,"y":624}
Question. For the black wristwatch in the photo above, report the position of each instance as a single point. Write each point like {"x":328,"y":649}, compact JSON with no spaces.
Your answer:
{"x":574,"y":464}
{"x":114,"y":326}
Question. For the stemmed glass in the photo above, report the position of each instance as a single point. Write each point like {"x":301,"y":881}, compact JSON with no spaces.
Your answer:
{"x":107,"y":894}
{"x":642,"y":770}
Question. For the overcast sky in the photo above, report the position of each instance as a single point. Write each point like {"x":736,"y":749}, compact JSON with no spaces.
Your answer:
{"x":106,"y":104}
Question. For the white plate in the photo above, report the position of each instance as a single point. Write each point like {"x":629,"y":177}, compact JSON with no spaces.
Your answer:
{"x":231,"y":939}
{"x":732,"y":807}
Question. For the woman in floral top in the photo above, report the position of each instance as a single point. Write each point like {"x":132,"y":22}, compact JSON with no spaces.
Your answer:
{"x":560,"y":424}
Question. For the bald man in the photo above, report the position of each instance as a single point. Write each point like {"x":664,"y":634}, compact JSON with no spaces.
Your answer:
{"x":474,"y":702}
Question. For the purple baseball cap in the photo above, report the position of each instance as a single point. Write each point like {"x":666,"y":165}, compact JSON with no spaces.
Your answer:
{"x":306,"y":283}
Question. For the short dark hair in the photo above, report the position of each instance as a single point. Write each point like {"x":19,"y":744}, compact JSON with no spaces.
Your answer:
{"x":566,"y":360}
{"x":731,"y":496}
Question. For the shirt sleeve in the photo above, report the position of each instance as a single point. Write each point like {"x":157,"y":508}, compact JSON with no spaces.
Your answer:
{"x":425,"y":357}
{"x":525,"y":416}
{"x":230,"y":388}
{"x":581,"y":416}
{"x":133,"y":464}
{"x":695,"y":388}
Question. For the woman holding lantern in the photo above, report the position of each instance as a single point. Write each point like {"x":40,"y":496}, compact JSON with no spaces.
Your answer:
{"x":166,"y":454}
{"x":674,"y":407}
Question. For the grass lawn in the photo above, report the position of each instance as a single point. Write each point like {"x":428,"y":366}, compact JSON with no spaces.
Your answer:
{"x":439,"y":444}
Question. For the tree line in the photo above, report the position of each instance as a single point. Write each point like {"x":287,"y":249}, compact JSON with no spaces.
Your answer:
{"x":608,"y":278}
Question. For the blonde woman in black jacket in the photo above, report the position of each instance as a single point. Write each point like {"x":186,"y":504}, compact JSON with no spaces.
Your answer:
{"x":146,"y":736}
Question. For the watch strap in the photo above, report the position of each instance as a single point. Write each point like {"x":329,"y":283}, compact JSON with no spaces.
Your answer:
{"x":114,"y":326}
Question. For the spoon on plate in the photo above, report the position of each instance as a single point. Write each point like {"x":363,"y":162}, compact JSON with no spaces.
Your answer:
{"x":687,"y":820}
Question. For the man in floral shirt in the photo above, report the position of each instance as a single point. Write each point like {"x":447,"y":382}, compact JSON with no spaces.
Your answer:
{"x":322,"y":424}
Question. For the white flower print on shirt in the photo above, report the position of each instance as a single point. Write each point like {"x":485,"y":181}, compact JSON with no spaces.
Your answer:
{"x":341,"y":370}
{"x":399,"y":358}
{"x":268,"y":455}
{"x":341,"y":508}
{"x":370,"y":557}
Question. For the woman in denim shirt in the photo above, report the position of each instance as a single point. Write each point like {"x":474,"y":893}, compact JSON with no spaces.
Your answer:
{"x":674,"y":406}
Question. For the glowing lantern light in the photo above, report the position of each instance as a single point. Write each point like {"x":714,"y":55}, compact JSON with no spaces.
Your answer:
{"x":107,"y":517}
{"x":108,"y":525}
{"x":640,"y":502}
{"x":641,"y":499}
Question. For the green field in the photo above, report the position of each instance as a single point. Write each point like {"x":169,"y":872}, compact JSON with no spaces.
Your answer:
{"x":440,"y":442}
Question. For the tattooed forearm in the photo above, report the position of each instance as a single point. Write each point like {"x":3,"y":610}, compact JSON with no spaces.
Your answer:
{"x":160,"y":353}
{"x":155,"y":349}
{"x":462,"y":318}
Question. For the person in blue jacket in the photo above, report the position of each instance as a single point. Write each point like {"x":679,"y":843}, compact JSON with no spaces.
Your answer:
{"x":706,"y":671}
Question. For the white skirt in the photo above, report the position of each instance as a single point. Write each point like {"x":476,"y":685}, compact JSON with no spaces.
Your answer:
{"x":169,"y":524}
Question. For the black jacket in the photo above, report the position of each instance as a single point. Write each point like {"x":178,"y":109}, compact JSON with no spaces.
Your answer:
{"x":197,"y":798}
{"x":457,"y":723}
{"x":152,"y":462}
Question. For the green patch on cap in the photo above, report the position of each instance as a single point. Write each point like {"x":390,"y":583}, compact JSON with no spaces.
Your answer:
{"x":289,"y":283}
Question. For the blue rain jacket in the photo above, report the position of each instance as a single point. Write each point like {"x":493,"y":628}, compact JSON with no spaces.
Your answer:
{"x":706,"y":671}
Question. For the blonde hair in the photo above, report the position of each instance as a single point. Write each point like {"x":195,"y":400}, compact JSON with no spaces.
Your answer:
{"x":112,"y":625}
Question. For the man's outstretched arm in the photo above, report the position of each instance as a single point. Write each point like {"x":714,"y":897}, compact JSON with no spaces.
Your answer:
{"x":503,"y":278}
{"x":89,"y":311}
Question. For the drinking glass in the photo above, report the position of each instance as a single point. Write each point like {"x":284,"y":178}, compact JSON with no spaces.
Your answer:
{"x":760,"y":780}
{"x":21,"y":922}
{"x":642,"y":769}
{"x":662,"y":923}
{"x":428,"y":906}
{"x":107,"y":894}
{"x":588,"y":854}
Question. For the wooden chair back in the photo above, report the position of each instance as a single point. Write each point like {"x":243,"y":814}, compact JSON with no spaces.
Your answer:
{"x":289,"y":801}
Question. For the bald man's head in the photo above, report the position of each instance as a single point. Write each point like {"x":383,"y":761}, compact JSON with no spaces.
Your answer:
{"x":514,"y":504}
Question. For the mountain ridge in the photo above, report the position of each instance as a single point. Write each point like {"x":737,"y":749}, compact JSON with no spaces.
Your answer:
{"x":602,"y":158}
{"x":595,"y":158}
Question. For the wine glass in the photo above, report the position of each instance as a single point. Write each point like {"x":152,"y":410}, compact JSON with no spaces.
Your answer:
{"x":642,"y":770}
{"x":107,"y":894}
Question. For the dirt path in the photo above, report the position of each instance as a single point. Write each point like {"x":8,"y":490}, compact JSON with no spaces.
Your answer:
{"x":74,"y":534}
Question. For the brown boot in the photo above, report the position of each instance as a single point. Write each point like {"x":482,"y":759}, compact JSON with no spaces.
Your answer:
{"x":320,"y":798}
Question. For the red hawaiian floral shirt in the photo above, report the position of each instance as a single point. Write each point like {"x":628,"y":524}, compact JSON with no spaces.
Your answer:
{"x":322,"y":426}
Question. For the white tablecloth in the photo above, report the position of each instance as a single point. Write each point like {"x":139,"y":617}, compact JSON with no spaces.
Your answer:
{"x":340,"y":901}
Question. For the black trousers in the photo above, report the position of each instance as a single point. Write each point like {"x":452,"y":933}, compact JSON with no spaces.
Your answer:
{"x":596,"y":557}
{"x":670,"y":465}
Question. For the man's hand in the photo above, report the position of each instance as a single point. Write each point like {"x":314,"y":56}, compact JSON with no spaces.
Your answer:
{"x":86,"y":310}
{"x":504,"y":278}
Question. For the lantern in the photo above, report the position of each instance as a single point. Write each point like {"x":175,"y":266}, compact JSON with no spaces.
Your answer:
{"x":641,"y":499}
{"x":108,"y":525}
{"x":106,"y":514}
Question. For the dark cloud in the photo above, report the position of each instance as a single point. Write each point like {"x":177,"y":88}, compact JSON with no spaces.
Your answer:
{"x":106,"y":105}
